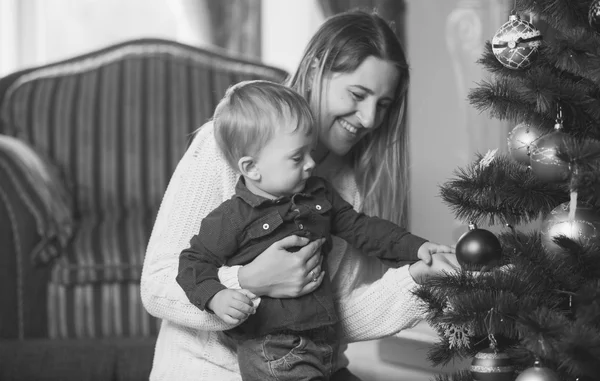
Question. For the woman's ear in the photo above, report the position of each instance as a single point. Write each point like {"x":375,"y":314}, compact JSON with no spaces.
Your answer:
{"x":248,"y":168}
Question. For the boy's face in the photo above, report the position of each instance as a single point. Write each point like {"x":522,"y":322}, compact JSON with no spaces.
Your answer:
{"x":285,"y":163}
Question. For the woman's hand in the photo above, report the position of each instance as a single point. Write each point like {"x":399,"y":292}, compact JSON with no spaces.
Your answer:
{"x":278,"y":273}
{"x":440,"y":263}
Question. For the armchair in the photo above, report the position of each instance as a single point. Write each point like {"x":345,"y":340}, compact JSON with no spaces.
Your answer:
{"x":87,"y":147}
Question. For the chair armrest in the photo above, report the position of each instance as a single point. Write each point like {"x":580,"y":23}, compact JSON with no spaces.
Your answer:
{"x":36,"y":224}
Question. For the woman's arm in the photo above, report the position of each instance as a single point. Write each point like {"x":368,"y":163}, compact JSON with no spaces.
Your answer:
{"x":371,"y":307}
{"x":200,"y":183}
{"x":372,"y":302}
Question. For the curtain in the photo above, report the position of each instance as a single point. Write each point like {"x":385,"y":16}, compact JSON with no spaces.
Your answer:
{"x":236,"y":25}
{"x":19,"y":35}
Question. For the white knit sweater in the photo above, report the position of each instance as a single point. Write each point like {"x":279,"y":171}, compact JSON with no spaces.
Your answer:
{"x":370,"y":305}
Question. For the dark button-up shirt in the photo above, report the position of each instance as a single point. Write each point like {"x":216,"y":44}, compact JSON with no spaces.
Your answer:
{"x":244,"y":226}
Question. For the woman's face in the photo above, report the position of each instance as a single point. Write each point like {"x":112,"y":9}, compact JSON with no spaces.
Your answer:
{"x":354,"y":104}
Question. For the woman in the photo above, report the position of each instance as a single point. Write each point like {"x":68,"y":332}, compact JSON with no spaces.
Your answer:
{"x":355,"y":76}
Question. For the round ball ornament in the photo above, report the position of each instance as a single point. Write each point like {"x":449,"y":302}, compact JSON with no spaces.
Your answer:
{"x":594,"y":15}
{"x":492,"y":365}
{"x":544,"y":161}
{"x":478,"y":249}
{"x":584,"y":227}
{"x":538,"y":373}
{"x":520,"y":139}
{"x":516,"y":43}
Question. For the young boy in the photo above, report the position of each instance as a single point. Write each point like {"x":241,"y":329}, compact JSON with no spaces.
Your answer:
{"x":265,"y":130}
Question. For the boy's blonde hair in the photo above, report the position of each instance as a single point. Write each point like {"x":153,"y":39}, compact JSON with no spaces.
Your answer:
{"x":252,"y":111}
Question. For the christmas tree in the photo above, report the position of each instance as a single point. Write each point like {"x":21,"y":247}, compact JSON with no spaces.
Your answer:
{"x":526,"y":304}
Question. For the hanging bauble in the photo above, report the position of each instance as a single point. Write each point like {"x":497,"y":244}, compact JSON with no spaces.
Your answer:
{"x":594,"y":15}
{"x":584,"y":227}
{"x":478,"y":249}
{"x":538,"y":373}
{"x":520,"y":139}
{"x":544,"y":161}
{"x":492,"y":365}
{"x":516,"y":43}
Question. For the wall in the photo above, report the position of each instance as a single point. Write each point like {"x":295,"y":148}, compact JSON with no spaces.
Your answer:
{"x":284,"y":38}
{"x":444,"y":39}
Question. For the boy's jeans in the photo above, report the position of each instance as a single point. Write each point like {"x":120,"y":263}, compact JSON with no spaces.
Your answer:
{"x":307,"y":355}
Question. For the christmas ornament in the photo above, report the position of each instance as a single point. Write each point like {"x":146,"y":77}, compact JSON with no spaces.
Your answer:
{"x":519,"y":141}
{"x":458,"y":335}
{"x":544,"y":161}
{"x":478,"y":249}
{"x":538,"y":373}
{"x":583,"y":226}
{"x":516,"y":43}
{"x":487,"y":159}
{"x":594,"y":15}
{"x":492,"y":365}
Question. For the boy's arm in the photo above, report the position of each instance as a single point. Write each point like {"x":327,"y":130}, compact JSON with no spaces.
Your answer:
{"x":373,"y":236}
{"x":209,"y":250}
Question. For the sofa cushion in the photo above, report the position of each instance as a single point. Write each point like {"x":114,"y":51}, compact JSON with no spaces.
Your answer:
{"x":38,"y":186}
{"x":108,"y":247}
{"x":98,"y":310}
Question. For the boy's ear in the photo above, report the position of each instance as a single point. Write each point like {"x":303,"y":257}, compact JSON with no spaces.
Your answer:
{"x":247,"y":167}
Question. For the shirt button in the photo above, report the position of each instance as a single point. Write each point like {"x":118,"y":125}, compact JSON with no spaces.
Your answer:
{"x":301,"y":226}
{"x":266,"y":226}
{"x":318,"y":207}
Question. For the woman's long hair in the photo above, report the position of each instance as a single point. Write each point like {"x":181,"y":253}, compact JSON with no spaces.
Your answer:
{"x":380,"y":159}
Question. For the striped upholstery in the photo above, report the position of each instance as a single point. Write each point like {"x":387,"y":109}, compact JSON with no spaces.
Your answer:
{"x":115,"y":122}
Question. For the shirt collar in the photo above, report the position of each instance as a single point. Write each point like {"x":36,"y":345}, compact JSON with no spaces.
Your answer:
{"x":312,"y":184}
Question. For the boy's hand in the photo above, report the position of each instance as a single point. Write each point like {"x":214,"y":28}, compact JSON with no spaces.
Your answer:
{"x":428,"y":248}
{"x":232,"y":306}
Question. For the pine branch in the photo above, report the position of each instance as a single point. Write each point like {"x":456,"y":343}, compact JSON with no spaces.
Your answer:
{"x":578,"y":57}
{"x":532,"y":95}
{"x":578,"y":351}
{"x":587,"y":185}
{"x":558,"y":273}
{"x":461,"y":375}
{"x":503,"y":192}
{"x":504,"y":103}
{"x":585,"y":180}
{"x":587,"y":304}
{"x":541,"y":330}
{"x":489,"y":302}
{"x":587,"y":260}
{"x":582,"y":154}
{"x":568,"y":16}
{"x":434,"y":301}
{"x":440,"y":353}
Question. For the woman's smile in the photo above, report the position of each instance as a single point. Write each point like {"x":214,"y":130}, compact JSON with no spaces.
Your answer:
{"x":347,"y":126}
